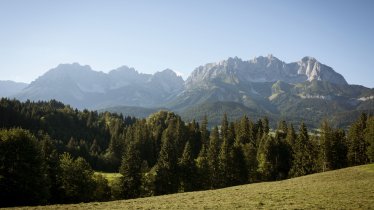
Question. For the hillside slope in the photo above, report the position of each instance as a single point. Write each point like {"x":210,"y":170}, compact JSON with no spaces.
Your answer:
{"x":350,"y":188}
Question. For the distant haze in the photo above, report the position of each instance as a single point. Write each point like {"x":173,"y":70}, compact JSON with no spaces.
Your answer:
{"x":181,"y":35}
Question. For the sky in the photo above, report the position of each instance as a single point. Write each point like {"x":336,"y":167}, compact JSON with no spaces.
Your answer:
{"x":151,"y":36}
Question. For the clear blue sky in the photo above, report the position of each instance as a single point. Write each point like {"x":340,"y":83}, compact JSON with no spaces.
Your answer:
{"x":154,"y":35}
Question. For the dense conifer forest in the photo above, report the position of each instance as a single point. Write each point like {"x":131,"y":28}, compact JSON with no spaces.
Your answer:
{"x":50,"y":151}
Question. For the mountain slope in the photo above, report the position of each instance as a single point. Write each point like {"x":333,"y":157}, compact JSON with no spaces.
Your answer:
{"x":300,"y":91}
{"x":9,"y":88}
{"x":82,"y":87}
{"x":349,"y":188}
{"x":263,"y":69}
{"x":306,"y":90}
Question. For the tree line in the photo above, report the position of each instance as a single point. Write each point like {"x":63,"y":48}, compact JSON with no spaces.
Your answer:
{"x":49,"y":153}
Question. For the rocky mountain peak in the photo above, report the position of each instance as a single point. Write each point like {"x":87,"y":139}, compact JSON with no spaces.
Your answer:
{"x":264,"y":69}
{"x":314,"y":70}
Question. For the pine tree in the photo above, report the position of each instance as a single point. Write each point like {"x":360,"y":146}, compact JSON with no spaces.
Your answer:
{"x":239,"y":165}
{"x":166,"y":180}
{"x":339,"y":146}
{"x":224,"y":127}
{"x":131,"y":172}
{"x":267,"y":158}
{"x":284,"y":157}
{"x":213,"y":151}
{"x":243,"y":131}
{"x":204,"y":132}
{"x":50,"y":156}
{"x":291,"y":136}
{"x":194,"y":138}
{"x":187,"y":170}
{"x":357,"y":146}
{"x":180,"y":136}
{"x":303,"y":159}
{"x":369,"y":138}
{"x":326,"y":140}
{"x":250,"y":155}
{"x":202,"y":165}
{"x":224,"y":164}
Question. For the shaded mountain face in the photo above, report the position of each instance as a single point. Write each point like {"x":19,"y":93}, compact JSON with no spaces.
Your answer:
{"x":9,"y":88}
{"x":82,"y":87}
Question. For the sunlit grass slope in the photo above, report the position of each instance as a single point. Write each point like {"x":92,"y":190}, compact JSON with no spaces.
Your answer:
{"x":350,"y":188}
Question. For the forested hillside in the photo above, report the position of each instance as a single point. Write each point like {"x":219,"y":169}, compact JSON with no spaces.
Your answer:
{"x":49,"y":151}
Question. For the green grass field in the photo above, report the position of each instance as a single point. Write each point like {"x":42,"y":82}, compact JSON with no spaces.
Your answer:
{"x":111,"y":177}
{"x":350,"y":188}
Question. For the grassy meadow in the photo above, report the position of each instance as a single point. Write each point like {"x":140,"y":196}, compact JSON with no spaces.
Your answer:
{"x":111,"y":177}
{"x":350,"y":188}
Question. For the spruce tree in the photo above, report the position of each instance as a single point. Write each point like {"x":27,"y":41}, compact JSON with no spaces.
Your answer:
{"x":131,"y":172}
{"x":194,"y":137}
{"x":202,"y":164}
{"x":284,"y":157}
{"x":239,"y":164}
{"x":291,"y":136}
{"x":224,"y":164}
{"x":357,"y":146}
{"x":166,"y":180}
{"x":243,"y":131}
{"x":326,"y":140}
{"x":303,"y":159}
{"x":369,"y":138}
{"x":187,"y":169}
{"x":204,"y":132}
{"x":224,"y":127}
{"x":213,"y":151}
{"x":267,"y":158}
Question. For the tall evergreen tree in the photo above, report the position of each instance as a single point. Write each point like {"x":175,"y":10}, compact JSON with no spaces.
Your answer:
{"x":268,"y":157}
{"x":243,"y":131}
{"x":131,"y":172}
{"x":369,"y":138}
{"x":326,"y":140}
{"x":166,"y":180}
{"x":284,"y":156}
{"x":332,"y":150}
{"x":194,"y":138}
{"x":303,"y":159}
{"x":213,"y":151}
{"x":357,"y":146}
{"x":204,"y":132}
{"x":50,"y":156}
{"x":291,"y":136}
{"x":239,"y":164}
{"x":188,"y":171}
{"x":224,"y":127}
{"x":202,"y":164}
{"x":224,"y":164}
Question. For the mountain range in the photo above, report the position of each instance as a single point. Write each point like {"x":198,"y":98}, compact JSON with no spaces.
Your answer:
{"x":304,"y":90}
{"x":9,"y":88}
